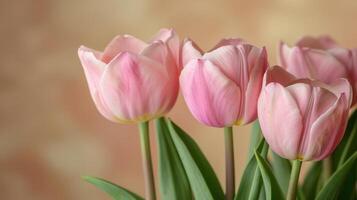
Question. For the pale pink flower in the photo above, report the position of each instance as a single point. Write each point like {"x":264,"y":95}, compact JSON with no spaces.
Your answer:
{"x":131,"y":80}
{"x":320,"y":58}
{"x":221,"y":87}
{"x":301,"y":118}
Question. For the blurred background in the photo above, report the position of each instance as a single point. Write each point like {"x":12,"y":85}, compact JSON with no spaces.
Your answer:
{"x":50,"y":131}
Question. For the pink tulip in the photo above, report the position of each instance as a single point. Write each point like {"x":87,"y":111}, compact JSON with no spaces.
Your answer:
{"x":322,"y":59}
{"x":134,"y":81}
{"x":300,"y":118}
{"x":221,"y":87}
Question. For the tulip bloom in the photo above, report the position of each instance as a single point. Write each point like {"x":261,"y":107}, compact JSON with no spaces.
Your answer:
{"x":221,"y":87}
{"x":131,"y":80}
{"x":300,"y":118}
{"x":322,"y":59}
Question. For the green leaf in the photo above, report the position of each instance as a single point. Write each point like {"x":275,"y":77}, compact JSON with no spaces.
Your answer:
{"x":311,"y":181}
{"x":333,"y":185}
{"x":300,"y":194}
{"x":348,"y":191}
{"x":203,"y":180}
{"x":271,"y":186}
{"x":115,"y":191}
{"x":250,"y":184}
{"x":348,"y":144}
{"x":174,"y":184}
{"x":282,"y":170}
{"x":255,"y":138}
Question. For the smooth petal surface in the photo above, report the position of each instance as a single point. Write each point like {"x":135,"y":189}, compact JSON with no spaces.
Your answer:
{"x":212,"y":98}
{"x":338,"y":87}
{"x":321,"y":42}
{"x":349,"y":59}
{"x":92,"y":65}
{"x":292,"y":60}
{"x":353,"y":73}
{"x":170,"y":37}
{"x":259,"y":65}
{"x":122,"y":44}
{"x":93,"y":70}
{"x":279,"y":75}
{"x":228,"y":42}
{"x":159,"y":52}
{"x":311,"y":63}
{"x":326,"y":132}
{"x":190,"y":51}
{"x":312,"y":102}
{"x":232,"y":63}
{"x":280,"y":120}
{"x":135,"y":88}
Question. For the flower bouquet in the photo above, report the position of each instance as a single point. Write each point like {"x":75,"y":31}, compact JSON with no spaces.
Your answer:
{"x":301,"y":110}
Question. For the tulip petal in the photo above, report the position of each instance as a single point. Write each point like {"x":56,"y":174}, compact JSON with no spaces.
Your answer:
{"x":279,"y":75}
{"x":311,"y":63}
{"x":312,"y":102}
{"x":135,"y":87}
{"x":292,"y":59}
{"x":170,"y":37}
{"x":163,"y":35}
{"x":93,"y":70}
{"x":322,"y":42}
{"x":212,"y":98}
{"x":190,"y":51}
{"x":280,"y":120}
{"x":254,"y":86}
{"x":338,"y":87}
{"x":327,"y":131}
{"x":228,"y":41}
{"x":232,"y":62}
{"x":353,"y":77}
{"x":349,"y":59}
{"x":93,"y":67}
{"x":343,"y":55}
{"x":122,"y":44}
{"x":158,"y":51}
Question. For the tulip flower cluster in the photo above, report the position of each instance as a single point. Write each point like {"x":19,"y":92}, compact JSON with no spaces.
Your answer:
{"x":302,"y":107}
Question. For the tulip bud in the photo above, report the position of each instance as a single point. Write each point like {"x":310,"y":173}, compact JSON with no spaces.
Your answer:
{"x":320,"y":58}
{"x":300,"y":118}
{"x":221,"y":87}
{"x":133,"y":81}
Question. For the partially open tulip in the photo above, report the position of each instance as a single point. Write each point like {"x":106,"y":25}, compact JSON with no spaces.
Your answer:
{"x":221,"y":87}
{"x":300,"y":118}
{"x":131,"y":80}
{"x":320,"y":58}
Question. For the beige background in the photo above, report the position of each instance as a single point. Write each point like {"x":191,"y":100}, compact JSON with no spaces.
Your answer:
{"x":50,"y":131}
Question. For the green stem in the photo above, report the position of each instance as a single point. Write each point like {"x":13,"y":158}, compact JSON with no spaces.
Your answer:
{"x":229,"y":154}
{"x":294,"y":179}
{"x":327,"y":168}
{"x":147,"y":161}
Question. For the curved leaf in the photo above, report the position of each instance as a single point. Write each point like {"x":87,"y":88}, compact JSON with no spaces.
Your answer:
{"x":174,"y":184}
{"x":348,"y":144}
{"x":311,"y":181}
{"x":255,"y":139}
{"x":332,"y":187}
{"x":203,"y":181}
{"x":115,"y":191}
{"x":271,"y":186}
{"x":250,"y":184}
{"x":282,"y":170}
